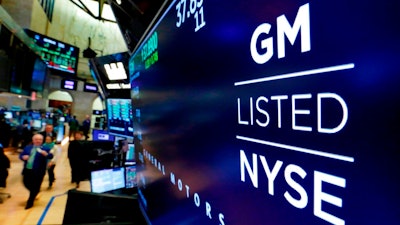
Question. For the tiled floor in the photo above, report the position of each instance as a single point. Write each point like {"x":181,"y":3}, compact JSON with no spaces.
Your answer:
{"x":49,"y":207}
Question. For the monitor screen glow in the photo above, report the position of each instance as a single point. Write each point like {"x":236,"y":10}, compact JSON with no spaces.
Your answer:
{"x":119,"y":117}
{"x":69,"y":84}
{"x":88,"y":87}
{"x":130,"y":177}
{"x":130,"y":154}
{"x":38,"y":76}
{"x":37,"y":124}
{"x":107,"y":180}
{"x":57,"y":55}
{"x":8,"y":115}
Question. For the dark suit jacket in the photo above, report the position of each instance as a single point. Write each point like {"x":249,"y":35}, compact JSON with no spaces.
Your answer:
{"x":40,"y":161}
{"x":4,"y":165}
{"x":53,"y":135}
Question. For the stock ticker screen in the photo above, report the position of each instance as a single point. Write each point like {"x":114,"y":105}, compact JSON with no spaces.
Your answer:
{"x":56,"y":54}
{"x":269,"y":112}
{"x":119,"y":115}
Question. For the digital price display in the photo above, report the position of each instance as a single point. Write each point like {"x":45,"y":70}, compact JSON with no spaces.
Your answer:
{"x":269,"y":112}
{"x":119,"y":115}
{"x":56,"y":54}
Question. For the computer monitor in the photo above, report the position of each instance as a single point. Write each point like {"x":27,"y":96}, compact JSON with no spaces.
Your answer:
{"x":130,"y":155}
{"x":130,"y":177}
{"x":35,"y":115}
{"x":102,"y":135}
{"x":120,"y":117}
{"x":37,"y":124}
{"x":84,"y":207}
{"x":106,"y":180}
{"x":8,"y":115}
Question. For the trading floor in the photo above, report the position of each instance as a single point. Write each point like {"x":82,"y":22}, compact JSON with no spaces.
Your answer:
{"x":49,"y":206}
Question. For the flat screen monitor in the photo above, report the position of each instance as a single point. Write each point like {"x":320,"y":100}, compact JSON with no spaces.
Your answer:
{"x":69,"y":84}
{"x":130,"y":177}
{"x":89,"y":87}
{"x":22,"y":67}
{"x":35,"y":115}
{"x":107,"y":180}
{"x":130,"y":155}
{"x":8,"y":115}
{"x":119,"y":117}
{"x":38,"y":75}
{"x":37,"y":124}
{"x":56,"y":54}
{"x":102,"y":135}
{"x":85,"y":208}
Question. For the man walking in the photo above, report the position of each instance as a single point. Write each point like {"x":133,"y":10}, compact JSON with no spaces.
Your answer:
{"x":86,"y":127}
{"x":35,"y":159}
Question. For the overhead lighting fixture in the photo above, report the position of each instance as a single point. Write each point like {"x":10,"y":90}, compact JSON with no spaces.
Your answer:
{"x":115,"y":71}
{"x":98,"y":9}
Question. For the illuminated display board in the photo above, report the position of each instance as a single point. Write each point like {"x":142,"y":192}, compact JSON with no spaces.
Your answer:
{"x":107,"y":180}
{"x":69,"y":84}
{"x":119,"y":117}
{"x":88,"y":87}
{"x":270,"y":112}
{"x":57,"y":55}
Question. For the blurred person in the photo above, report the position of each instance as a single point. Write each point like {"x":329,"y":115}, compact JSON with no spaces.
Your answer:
{"x":35,"y":159}
{"x":86,"y":127}
{"x":43,"y":121}
{"x":5,"y":131}
{"x":49,"y":131}
{"x":49,"y":143}
{"x":73,"y":126}
{"x":120,"y":153}
{"x":23,"y":134}
{"x":78,"y":159}
{"x":4,"y":166}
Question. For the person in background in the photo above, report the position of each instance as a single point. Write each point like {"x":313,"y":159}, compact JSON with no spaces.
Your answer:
{"x":35,"y":159}
{"x":73,"y":126}
{"x":120,"y":153}
{"x":49,"y":143}
{"x":5,"y":131}
{"x":49,"y":131}
{"x":86,"y":127}
{"x":4,"y":166}
{"x":25,"y":134}
{"x":43,"y":121}
{"x":78,"y":159}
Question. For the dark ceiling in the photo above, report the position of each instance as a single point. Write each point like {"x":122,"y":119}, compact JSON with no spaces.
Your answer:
{"x":134,"y":17}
